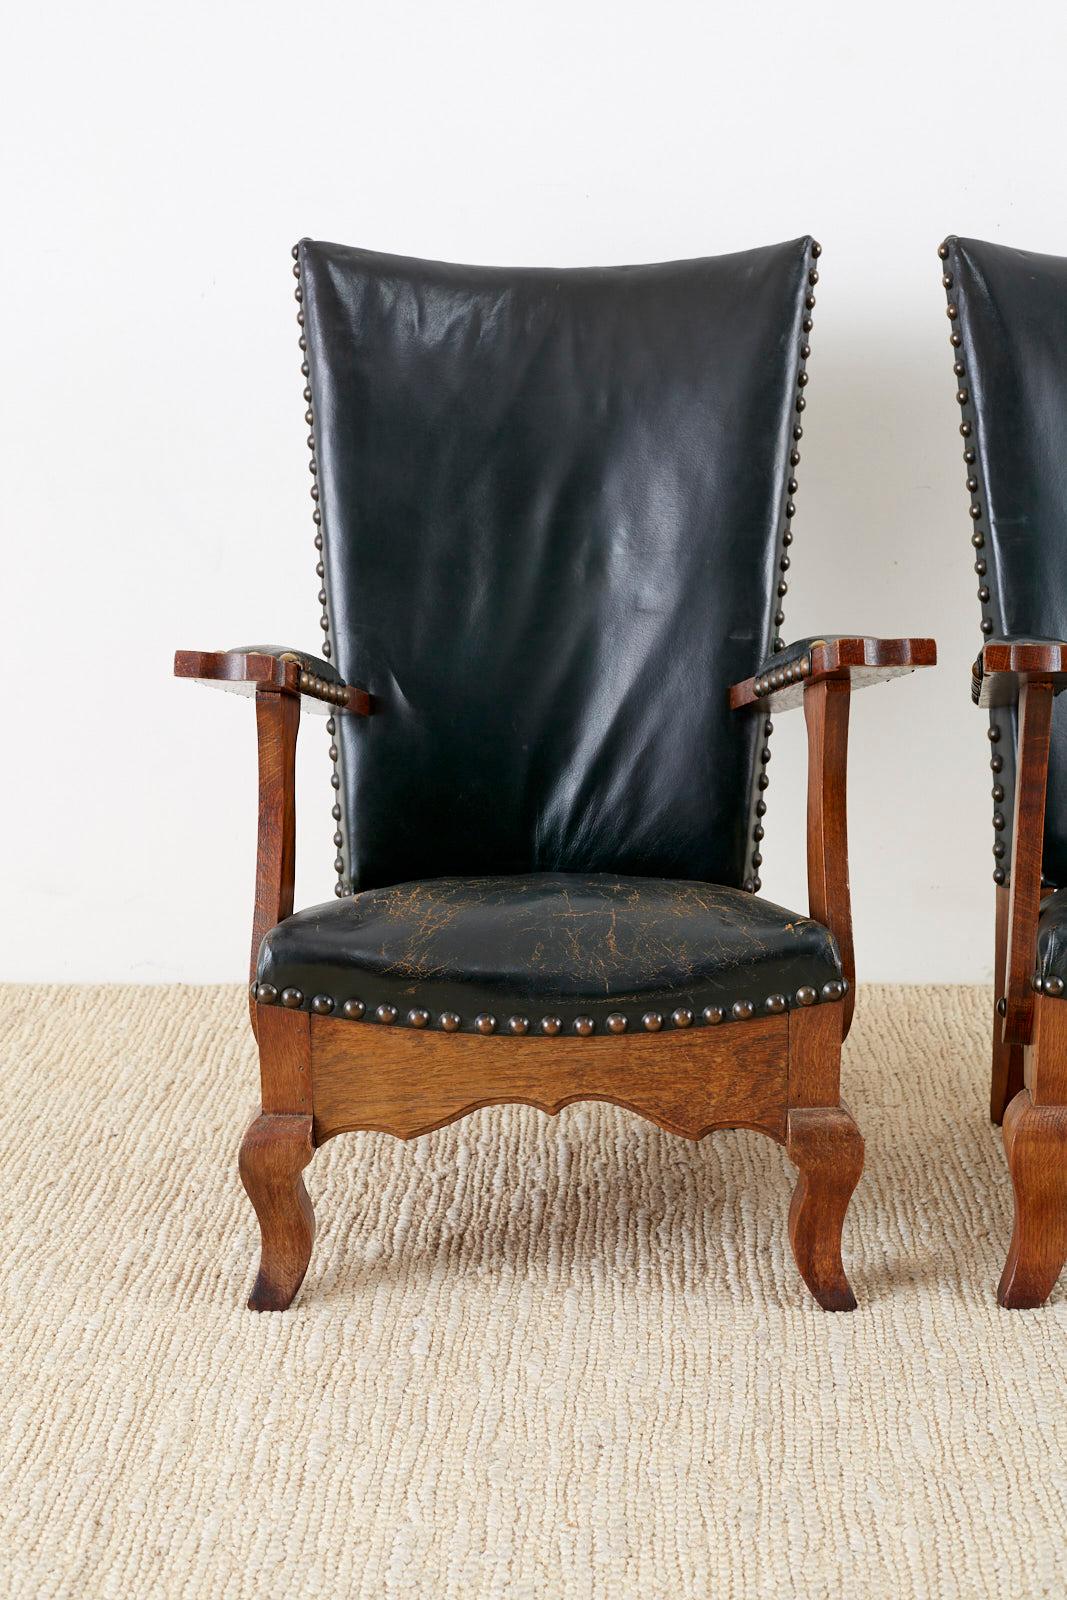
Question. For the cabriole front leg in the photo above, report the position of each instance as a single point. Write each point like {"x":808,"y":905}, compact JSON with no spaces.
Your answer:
{"x":274,"y":1152}
{"x":1035,"y":1141}
{"x":276,"y":1148}
{"x":826,"y":1147}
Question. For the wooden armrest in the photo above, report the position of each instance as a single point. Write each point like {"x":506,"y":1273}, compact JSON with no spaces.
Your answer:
{"x":1006,"y":664}
{"x":781,"y":684}
{"x":290,"y":671}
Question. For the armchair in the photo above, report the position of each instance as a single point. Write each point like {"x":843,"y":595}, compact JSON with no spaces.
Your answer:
{"x":1008,"y":315}
{"x":553,"y":512}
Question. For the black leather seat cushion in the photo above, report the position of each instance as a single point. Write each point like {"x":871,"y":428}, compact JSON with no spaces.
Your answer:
{"x":551,"y":945}
{"x":1052,"y":943}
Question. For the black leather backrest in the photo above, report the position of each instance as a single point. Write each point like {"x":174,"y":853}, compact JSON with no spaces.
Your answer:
{"x":1011,"y":319}
{"x":553,"y":505}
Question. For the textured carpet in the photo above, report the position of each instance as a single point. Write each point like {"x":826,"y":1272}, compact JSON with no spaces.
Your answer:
{"x":531,"y":1357}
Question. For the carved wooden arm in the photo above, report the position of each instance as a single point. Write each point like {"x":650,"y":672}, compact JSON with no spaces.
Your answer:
{"x":1005,"y":665}
{"x":1030,"y":673}
{"x":282,"y":681}
{"x":249,"y":668}
{"x":820,"y":673}
{"x":780,"y":682}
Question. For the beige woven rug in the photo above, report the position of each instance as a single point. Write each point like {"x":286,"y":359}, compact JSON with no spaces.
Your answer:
{"x":531,"y":1358}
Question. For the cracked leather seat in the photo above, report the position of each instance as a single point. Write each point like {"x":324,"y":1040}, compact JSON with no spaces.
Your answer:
{"x":550,"y":953}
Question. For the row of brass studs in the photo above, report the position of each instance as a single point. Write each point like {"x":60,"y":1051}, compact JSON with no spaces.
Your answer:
{"x":781,"y":677}
{"x":323,"y":1005}
{"x":753,"y":883}
{"x":340,"y":889}
{"x":1053,"y":987}
{"x":323,"y":689}
{"x":981,"y":567}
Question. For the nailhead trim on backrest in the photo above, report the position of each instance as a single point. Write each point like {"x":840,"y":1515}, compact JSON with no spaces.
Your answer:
{"x":758,"y":805}
{"x":342,"y":886}
{"x":1002,"y":760}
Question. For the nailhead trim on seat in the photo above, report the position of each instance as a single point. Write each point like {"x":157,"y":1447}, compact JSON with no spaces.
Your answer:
{"x":998,"y":721}
{"x":758,"y":805}
{"x":1052,"y":987}
{"x":617,"y":1022}
{"x":341,"y":888}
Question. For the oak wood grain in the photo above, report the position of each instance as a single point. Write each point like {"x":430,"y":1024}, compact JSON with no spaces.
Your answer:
{"x":277,"y":726}
{"x":284,"y":1039}
{"x":1007,"y":1073}
{"x":826,"y":1147}
{"x":815,"y":1036}
{"x":406,"y":1083}
{"x":274,"y":1152}
{"x":1028,"y":833}
{"x":1035,"y":1142}
{"x":826,"y":709}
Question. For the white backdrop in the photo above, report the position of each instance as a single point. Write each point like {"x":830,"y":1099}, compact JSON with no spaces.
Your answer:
{"x":161,"y":161}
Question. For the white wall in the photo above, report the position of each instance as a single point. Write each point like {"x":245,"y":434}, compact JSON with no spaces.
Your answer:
{"x":160,"y":163}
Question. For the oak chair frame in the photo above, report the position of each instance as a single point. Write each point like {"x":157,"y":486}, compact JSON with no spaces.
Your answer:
{"x":777,"y":1074}
{"x":1028,"y":1094}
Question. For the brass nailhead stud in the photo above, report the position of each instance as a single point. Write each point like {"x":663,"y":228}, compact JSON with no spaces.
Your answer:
{"x":449,"y":1021}
{"x":652,"y":1022}
{"x":583,"y":1025}
{"x":1037,"y":982}
{"x":775,"y":1002}
{"x":551,"y":1025}
{"x":806,"y":995}
{"x":293,"y":998}
{"x":353,"y":1010}
{"x":419,"y":1018}
{"x":518,"y":1025}
{"x":485,"y":1023}
{"x":386,"y":1014}
{"x":833,"y":990}
{"x":741,"y":1010}
{"x":616,"y":1023}
{"x":1054,"y":987}
{"x":682,"y":1018}
{"x":1000,"y":876}
{"x":322,"y":1004}
{"x":266,"y":994}
{"x":713,"y":1015}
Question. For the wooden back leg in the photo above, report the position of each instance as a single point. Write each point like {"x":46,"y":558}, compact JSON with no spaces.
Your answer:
{"x":1007,"y":1077}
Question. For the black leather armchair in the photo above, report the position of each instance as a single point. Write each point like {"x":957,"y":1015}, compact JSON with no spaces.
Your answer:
{"x":1008,"y":315}
{"x":553,"y":516}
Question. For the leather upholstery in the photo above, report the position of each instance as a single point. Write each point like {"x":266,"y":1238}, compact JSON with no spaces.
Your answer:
{"x":551,"y":503}
{"x":1012,"y":315}
{"x":308,"y":663}
{"x":793,"y":652}
{"x":550,"y":945}
{"x":1052,"y":941}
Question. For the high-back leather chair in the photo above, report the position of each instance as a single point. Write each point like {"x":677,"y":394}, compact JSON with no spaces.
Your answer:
{"x":1008,"y":314}
{"x":553,"y":524}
